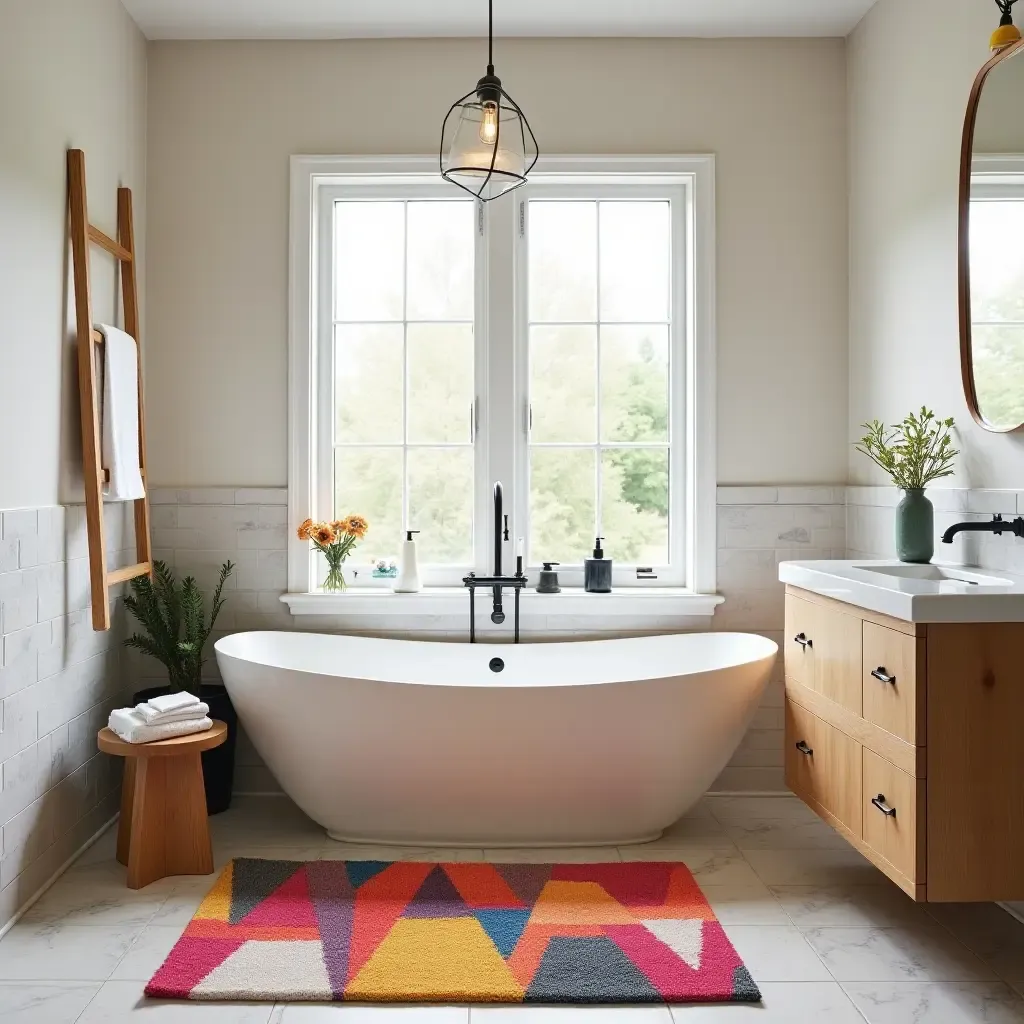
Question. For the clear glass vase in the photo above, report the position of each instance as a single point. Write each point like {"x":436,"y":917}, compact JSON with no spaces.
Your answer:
{"x":335,"y":581}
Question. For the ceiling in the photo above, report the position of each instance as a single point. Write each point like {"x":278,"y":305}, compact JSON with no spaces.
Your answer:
{"x":340,"y":19}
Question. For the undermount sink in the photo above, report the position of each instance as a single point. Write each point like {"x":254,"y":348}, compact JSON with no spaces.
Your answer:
{"x":936,"y":573}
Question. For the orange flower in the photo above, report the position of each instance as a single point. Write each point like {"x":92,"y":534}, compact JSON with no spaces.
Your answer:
{"x":356,"y":526}
{"x":305,"y":527}
{"x":323,"y":534}
{"x":338,"y":526}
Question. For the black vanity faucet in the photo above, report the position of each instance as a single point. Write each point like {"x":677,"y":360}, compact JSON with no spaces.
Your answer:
{"x":997,"y":526}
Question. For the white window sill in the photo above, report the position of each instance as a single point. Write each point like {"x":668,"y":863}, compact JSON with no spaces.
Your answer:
{"x":571,"y":603}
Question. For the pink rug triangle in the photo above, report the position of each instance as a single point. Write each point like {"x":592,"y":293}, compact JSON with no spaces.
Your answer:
{"x":288,"y":906}
{"x":190,"y":962}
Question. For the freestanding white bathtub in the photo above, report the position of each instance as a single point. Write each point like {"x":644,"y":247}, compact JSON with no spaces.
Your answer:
{"x":412,"y":743}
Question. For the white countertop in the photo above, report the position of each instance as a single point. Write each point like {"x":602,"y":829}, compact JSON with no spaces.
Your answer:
{"x":981,"y":595}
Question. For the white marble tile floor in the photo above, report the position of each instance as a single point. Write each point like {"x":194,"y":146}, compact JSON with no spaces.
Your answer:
{"x":824,"y":934}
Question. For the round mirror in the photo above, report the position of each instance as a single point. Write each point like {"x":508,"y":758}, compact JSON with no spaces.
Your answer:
{"x":992,"y":244}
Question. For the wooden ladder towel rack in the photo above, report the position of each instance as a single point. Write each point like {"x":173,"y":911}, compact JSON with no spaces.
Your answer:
{"x":123,"y":250}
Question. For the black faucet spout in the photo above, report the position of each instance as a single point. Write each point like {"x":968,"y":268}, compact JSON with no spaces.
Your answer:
{"x":997,"y":525}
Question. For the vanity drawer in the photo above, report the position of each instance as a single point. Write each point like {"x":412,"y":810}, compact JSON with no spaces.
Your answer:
{"x":823,"y":766}
{"x":799,"y":644}
{"x":891,"y":681}
{"x":891,"y":816}
{"x":823,"y":651}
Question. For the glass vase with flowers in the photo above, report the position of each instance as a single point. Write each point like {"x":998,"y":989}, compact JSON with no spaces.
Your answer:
{"x":335,"y":540}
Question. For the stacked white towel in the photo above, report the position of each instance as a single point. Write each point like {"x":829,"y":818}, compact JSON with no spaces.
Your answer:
{"x":162,"y":718}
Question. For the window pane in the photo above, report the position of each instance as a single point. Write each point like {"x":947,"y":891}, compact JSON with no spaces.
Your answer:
{"x":634,"y":383}
{"x":563,"y":261}
{"x":368,"y":482}
{"x":441,"y":256}
{"x":440,"y":382}
{"x":563,"y":486}
{"x":635,"y":260}
{"x":368,"y":383}
{"x":634,"y":505}
{"x":369,"y":241}
{"x":563,"y":384}
{"x":441,"y":504}
{"x":997,"y":352}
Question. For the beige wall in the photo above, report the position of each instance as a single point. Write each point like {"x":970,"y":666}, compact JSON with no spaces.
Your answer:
{"x":72,"y":73}
{"x":911,"y":64}
{"x":224,"y":118}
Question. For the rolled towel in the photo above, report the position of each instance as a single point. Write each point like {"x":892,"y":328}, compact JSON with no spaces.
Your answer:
{"x":173,"y":702}
{"x":130,"y":726}
{"x":192,"y":712}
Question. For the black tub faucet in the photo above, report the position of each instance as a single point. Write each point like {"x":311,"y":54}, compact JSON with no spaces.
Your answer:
{"x":498,"y":581}
{"x":998,"y":526}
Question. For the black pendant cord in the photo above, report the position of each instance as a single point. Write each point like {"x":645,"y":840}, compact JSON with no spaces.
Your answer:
{"x":490,"y":37}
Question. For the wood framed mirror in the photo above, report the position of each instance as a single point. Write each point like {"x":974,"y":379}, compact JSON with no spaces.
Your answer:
{"x":991,"y":244}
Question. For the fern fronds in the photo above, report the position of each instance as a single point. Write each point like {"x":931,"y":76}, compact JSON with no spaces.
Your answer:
{"x":174,"y":616}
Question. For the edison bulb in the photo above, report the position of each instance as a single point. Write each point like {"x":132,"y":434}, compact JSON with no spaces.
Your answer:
{"x":489,"y":124}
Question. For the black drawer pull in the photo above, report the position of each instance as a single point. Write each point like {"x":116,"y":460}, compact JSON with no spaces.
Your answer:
{"x":880,"y":802}
{"x":801,"y":639}
{"x":882,"y":676}
{"x":804,"y":749}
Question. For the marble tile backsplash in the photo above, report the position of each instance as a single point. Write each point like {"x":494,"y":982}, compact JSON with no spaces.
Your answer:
{"x":871,"y":516}
{"x":58,"y":682}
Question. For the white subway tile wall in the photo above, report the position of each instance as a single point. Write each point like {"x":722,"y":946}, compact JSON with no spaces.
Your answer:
{"x":58,"y":682}
{"x":196,"y":530}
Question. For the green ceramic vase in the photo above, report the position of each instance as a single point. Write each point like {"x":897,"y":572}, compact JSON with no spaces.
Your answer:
{"x":915,"y":527}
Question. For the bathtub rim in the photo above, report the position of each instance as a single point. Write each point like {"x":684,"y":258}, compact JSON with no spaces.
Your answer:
{"x":769,"y":650}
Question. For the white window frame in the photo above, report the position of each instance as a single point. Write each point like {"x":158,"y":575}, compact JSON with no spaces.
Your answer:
{"x":690,"y":180}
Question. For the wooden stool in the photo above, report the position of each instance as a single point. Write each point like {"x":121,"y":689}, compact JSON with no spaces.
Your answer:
{"x":163,"y":828}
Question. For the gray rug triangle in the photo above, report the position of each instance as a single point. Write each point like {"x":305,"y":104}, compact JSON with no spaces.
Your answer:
{"x":252,"y":881}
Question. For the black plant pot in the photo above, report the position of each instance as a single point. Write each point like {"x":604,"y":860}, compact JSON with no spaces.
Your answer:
{"x":219,"y":763}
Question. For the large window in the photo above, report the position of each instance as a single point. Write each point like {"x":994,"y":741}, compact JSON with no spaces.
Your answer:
{"x":552,"y":340}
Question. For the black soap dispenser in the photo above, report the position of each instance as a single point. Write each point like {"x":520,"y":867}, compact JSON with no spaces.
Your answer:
{"x":597,"y":571}
{"x":548,"y":583}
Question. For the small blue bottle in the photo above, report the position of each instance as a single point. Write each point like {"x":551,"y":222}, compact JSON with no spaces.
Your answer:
{"x":597,"y":571}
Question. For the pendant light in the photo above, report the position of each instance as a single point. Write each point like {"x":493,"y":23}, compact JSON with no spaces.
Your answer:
{"x":487,"y":145}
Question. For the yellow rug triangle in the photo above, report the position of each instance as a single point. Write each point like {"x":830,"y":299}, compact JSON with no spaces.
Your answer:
{"x":217,"y":904}
{"x":449,"y":960}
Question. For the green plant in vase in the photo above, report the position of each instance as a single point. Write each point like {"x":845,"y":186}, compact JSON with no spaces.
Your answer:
{"x":913,"y":453}
{"x":335,"y":541}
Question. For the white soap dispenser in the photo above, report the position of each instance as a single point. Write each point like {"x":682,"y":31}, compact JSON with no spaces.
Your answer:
{"x":408,"y":581}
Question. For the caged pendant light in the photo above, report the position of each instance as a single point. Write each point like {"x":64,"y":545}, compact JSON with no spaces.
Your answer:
{"x":487,"y":145}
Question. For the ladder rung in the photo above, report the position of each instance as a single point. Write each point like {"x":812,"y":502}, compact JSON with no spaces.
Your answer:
{"x":129,"y":572}
{"x":104,"y":241}
{"x":106,"y":475}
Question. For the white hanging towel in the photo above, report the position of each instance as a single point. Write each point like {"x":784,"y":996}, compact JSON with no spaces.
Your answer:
{"x":121,"y":415}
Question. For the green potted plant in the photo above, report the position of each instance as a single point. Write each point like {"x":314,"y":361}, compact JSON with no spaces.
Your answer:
{"x":173,"y":617}
{"x":913,"y":453}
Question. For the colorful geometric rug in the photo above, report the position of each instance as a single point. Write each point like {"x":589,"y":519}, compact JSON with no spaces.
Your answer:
{"x":376,"y":931}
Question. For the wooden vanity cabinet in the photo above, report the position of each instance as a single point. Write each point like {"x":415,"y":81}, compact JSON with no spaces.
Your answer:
{"x":909,"y":740}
